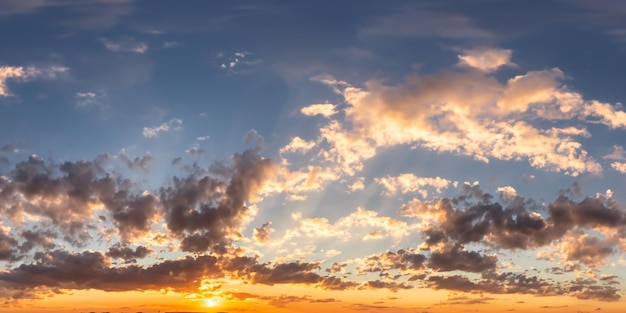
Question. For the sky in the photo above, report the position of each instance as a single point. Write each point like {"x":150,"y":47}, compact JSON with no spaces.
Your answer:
{"x":291,"y":156}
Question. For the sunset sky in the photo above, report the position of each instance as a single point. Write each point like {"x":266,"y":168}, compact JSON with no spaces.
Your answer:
{"x":312,"y":156}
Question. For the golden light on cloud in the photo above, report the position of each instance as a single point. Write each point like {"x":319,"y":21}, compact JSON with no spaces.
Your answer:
{"x":400,"y":157}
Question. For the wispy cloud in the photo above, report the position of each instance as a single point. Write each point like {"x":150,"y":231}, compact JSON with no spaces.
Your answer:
{"x":23,"y":74}
{"x":125,"y":44}
{"x":417,"y":22}
{"x":173,"y":124}
{"x":325,"y":110}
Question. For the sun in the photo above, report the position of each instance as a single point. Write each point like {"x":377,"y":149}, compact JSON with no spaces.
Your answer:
{"x":212,"y":302}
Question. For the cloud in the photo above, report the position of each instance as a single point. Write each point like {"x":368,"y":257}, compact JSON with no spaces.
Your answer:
{"x":84,"y":99}
{"x":391,"y":285}
{"x":128,"y":254}
{"x":589,"y":250}
{"x":456,"y":258}
{"x":238,"y":62}
{"x":262,"y":234}
{"x":91,"y":270}
{"x":467,"y":113}
{"x":358,"y":184}
{"x":619,"y":166}
{"x":136,"y":163}
{"x":7,"y":246}
{"x":409,"y":183}
{"x":617,"y":153}
{"x":607,"y":114}
{"x":173,"y":124}
{"x":403,"y":260}
{"x":416,"y":22}
{"x":84,"y":191}
{"x":124,"y":44}
{"x":472,"y":217}
{"x":294,"y":272}
{"x":279,"y":301}
{"x":91,"y":99}
{"x":170,"y":44}
{"x":486,"y":59}
{"x":206,"y":212}
{"x":297,"y":144}
{"x":12,"y":148}
{"x":508,"y":283}
{"x":95,"y":15}
{"x":24,"y":74}
{"x":325,"y":110}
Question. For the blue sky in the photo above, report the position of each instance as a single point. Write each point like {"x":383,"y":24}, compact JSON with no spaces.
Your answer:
{"x":312,"y":136}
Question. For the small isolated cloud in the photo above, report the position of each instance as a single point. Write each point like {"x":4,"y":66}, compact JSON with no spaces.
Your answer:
{"x":173,"y":124}
{"x":238,"y":62}
{"x":486,"y":59}
{"x":12,"y":148}
{"x":84,"y":98}
{"x":252,"y":136}
{"x":203,"y":138}
{"x":358,"y":184}
{"x":262,"y":234}
{"x":23,"y":74}
{"x":298,"y":144}
{"x":170,"y":44}
{"x":325,"y":110}
{"x":619,"y":166}
{"x":617,"y":154}
{"x":195,"y":151}
{"x":507,"y":192}
{"x":125,"y":44}
{"x":89,"y":99}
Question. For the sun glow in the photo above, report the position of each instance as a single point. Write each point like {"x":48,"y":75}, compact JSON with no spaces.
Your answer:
{"x":212,"y":302}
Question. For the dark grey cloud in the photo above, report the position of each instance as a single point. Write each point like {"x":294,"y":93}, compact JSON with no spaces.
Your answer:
{"x":522,"y":283}
{"x":391,"y":285}
{"x":37,"y":238}
{"x":87,"y":270}
{"x":402,"y":260}
{"x":66,"y":194}
{"x":7,"y":247}
{"x":336,"y":283}
{"x":208,"y":211}
{"x":456,"y":258}
{"x":128,"y":254}
{"x":132,"y":213}
{"x":201,"y":210}
{"x":294,"y":272}
{"x":518,"y":223}
{"x":12,"y":148}
{"x":138,"y":162}
{"x":262,"y":234}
